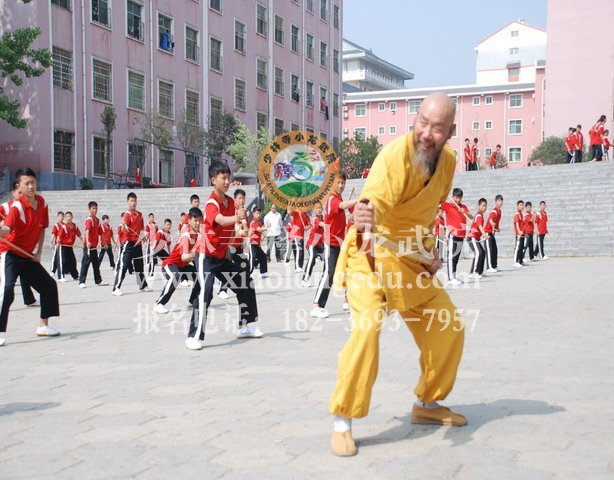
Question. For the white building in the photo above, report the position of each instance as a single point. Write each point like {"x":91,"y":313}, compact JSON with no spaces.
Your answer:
{"x":510,"y":55}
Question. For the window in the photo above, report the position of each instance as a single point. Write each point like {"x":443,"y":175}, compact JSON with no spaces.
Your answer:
{"x":296,"y":32}
{"x":454,"y":131}
{"x":215,"y":5}
{"x":323,"y":99}
{"x":261,"y":75}
{"x":488,"y":125}
{"x":166,"y":94}
{"x":309,"y":53}
{"x":62,"y":68}
{"x":240,"y":36}
{"x":279,"y":81}
{"x":215,"y":112}
{"x":279,"y":126}
{"x":414,"y":106}
{"x":192,"y":107}
{"x":215,"y":54}
{"x":166,"y":41}
{"x":323,"y":54}
{"x":393,"y":106}
{"x":336,"y":61}
{"x":135,"y":27}
{"x":136,"y":90}
{"x":360,"y":132}
{"x":62,"y":3}
{"x":294,"y":82}
{"x":279,"y":30}
{"x":294,"y":126}
{"x":262,"y":26}
{"x":335,"y":105}
{"x":381,"y":130}
{"x":489,"y":100}
{"x":309,"y":5}
{"x":192,"y":50}
{"x":101,"y":13}
{"x":336,"y":16}
{"x":514,"y":33}
{"x":513,"y":74}
{"x":261,"y":120}
{"x":102,"y":80}
{"x":476,"y":101}
{"x":393,"y":130}
{"x":324,"y":10}
{"x":515,"y":154}
{"x":381,"y":106}
{"x":63,"y":144}
{"x":514,"y":51}
{"x":475,"y":125}
{"x":240,"y":101}
{"x":99,"y":157}
{"x":360,"y":110}
{"x":309,"y":94}
{"x":455,"y":102}
{"x":515,"y":100}
{"x":166,"y":167}
{"x":136,"y":156}
{"x":488,"y":152}
{"x":515,"y":127}
{"x":323,"y":135}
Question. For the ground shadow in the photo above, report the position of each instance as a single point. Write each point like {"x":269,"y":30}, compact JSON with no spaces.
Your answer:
{"x":477,"y":415}
{"x":10,"y":408}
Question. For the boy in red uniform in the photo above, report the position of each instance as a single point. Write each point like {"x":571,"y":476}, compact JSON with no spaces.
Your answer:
{"x":23,"y":233}
{"x":570,"y":145}
{"x":162,"y":241}
{"x":596,"y":139}
{"x":541,"y":219}
{"x":55,"y":233}
{"x":473,"y":162}
{"x":213,"y":261}
{"x":150,"y":231}
{"x":315,"y":245}
{"x":288,"y":254}
{"x":491,"y":226}
{"x":529,"y":230}
{"x":579,"y":143}
{"x":493,"y":157}
{"x":334,"y":233}
{"x":90,"y":246}
{"x":239,"y":250}
{"x":257,"y":256}
{"x":121,"y":239}
{"x":194,"y":203}
{"x":467,"y":154}
{"x":179,"y":263}
{"x":519,"y":233}
{"x":107,"y":241}
{"x":477,"y":236}
{"x":439,"y":230}
{"x":299,"y":223}
{"x":457,"y":215}
{"x":67,"y":261}
{"x":132,"y":250}
{"x":606,"y":145}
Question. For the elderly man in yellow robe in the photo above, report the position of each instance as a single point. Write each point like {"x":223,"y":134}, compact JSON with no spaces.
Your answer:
{"x":409,"y":179}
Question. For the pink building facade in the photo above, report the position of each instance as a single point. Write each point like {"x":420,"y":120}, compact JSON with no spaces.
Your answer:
{"x":271,"y":63}
{"x":510,"y":115}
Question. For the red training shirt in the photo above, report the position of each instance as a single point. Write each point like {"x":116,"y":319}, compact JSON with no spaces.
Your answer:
{"x":255,"y":237}
{"x":518,"y":223}
{"x":541,"y":218}
{"x":316,"y":234}
{"x":69,"y":234}
{"x":184,"y":244}
{"x":92,"y":226}
{"x":478,"y":221}
{"x":163,"y":240}
{"x":455,"y":219}
{"x":495,"y":216}
{"x":26,"y":225}
{"x":334,"y":221}
{"x":134,"y":221}
{"x":529,"y":227}
{"x":216,"y":238}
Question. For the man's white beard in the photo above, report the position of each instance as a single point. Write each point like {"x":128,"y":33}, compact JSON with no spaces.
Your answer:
{"x":425,"y":164}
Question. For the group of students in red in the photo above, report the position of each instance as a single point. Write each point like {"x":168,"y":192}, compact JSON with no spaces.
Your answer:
{"x":599,"y":142}
{"x":470,"y":156}
{"x":451,"y":230}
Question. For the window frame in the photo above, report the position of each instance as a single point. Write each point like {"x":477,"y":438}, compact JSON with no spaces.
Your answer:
{"x":93,"y":97}
{"x":172,"y":84}
{"x":143,"y":88}
{"x":509,"y":126}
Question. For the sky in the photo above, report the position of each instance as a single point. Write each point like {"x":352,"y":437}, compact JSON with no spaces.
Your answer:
{"x":433,"y":39}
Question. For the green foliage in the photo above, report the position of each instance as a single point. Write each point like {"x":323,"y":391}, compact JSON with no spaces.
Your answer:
{"x":17,"y":58}
{"x":358,"y":153}
{"x":155,"y":128}
{"x":550,"y":152}
{"x":107,"y":118}
{"x":220,"y":134}
{"x":191,"y":136}
{"x":86,"y":184}
{"x":248,"y":147}
{"x":501,"y":161}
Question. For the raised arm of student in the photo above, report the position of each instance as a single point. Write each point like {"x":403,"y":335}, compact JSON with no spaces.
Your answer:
{"x":231,"y":219}
{"x":187,"y":255}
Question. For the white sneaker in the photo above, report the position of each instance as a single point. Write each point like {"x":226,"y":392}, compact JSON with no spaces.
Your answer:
{"x":518,"y":265}
{"x":454,"y":282}
{"x":524,"y":261}
{"x":146,"y":289}
{"x":545,"y":257}
{"x":47,"y":332}
{"x":63,"y":280}
{"x":159,"y":308}
{"x":192,"y":343}
{"x":249,"y":332}
{"x":117,"y":292}
{"x":298,"y":270}
{"x":305,"y":283}
{"x":319,"y":312}
{"x":475,"y":275}
{"x":265,"y":275}
{"x":492,"y":270}
{"x":185,"y":283}
{"x":36,"y":303}
{"x":2,"y":341}
{"x":223,"y":295}
{"x":82,"y":285}
{"x":346,"y":306}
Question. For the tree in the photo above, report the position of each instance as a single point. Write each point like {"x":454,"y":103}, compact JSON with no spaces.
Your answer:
{"x":107,"y":118}
{"x":248,"y":147}
{"x":220,"y":135}
{"x":16,"y":58}
{"x":501,"y":161}
{"x":550,"y":152}
{"x":155,"y":129}
{"x":358,"y":153}
{"x":191,"y":137}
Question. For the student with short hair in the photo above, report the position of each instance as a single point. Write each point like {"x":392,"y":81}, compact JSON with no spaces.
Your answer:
{"x":570,"y":145}
{"x":55,"y":233}
{"x":579,"y":143}
{"x":606,"y":145}
{"x":529,"y":230}
{"x":121,"y":239}
{"x":467,"y":154}
{"x":491,"y":227}
{"x":315,"y":245}
{"x":107,"y":241}
{"x":68,"y":234}
{"x":596,"y":139}
{"x":518,"y":222}
{"x":299,"y":223}
{"x":23,"y":232}
{"x":493,"y":157}
{"x":239,"y":246}
{"x":194,"y":203}
{"x":90,"y":246}
{"x":541,"y":219}
{"x":473,"y":164}
{"x":257,"y":256}
{"x":150,"y":232}
{"x":162,"y":241}
{"x":476,"y":237}
{"x":457,"y":215}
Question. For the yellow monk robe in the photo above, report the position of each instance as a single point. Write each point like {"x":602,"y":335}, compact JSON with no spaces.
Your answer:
{"x":405,"y":209}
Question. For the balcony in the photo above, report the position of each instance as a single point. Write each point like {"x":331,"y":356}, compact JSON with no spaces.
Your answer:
{"x":367,"y":76}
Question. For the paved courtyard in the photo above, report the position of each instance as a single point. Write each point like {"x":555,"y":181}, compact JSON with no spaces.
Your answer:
{"x":119,"y":396}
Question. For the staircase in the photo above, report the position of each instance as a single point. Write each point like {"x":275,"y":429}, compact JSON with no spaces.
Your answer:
{"x":580,"y":200}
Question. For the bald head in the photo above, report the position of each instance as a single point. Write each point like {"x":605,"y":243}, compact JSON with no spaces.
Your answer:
{"x":440,"y":105}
